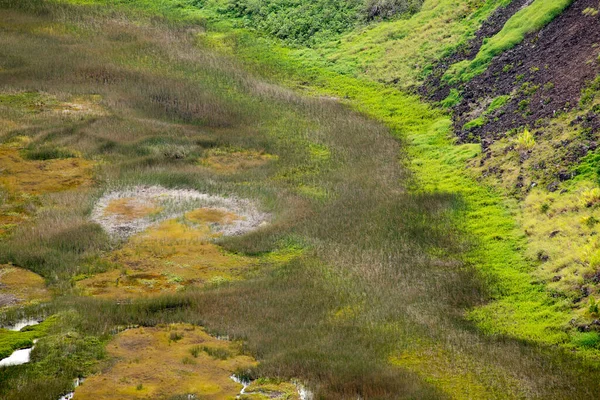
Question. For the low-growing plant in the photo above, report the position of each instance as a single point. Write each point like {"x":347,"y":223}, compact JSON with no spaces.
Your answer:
{"x":524,"y":105}
{"x":593,"y":306}
{"x":188,"y":361}
{"x":589,"y":197}
{"x":217,"y":352}
{"x":48,"y":153}
{"x":525,"y":141}
{"x":385,"y":9}
{"x":195,"y":351}
{"x":453,"y":99}
{"x":475,"y":123}
{"x":497,"y":103}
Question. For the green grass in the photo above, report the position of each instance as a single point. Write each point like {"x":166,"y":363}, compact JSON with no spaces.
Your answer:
{"x":311,"y":23}
{"x":497,"y":103}
{"x":15,"y":340}
{"x":475,"y":123}
{"x":527,"y":20}
{"x":453,"y":99}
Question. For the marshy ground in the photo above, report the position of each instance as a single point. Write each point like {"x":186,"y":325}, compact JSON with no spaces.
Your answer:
{"x":171,"y":197}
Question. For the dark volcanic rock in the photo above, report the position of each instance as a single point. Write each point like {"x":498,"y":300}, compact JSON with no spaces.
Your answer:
{"x":546,"y":73}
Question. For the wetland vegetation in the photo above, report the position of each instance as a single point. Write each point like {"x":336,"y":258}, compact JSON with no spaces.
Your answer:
{"x":187,"y":194}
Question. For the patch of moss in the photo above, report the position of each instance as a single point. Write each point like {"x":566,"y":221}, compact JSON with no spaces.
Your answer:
{"x":130,"y":208}
{"x":265,"y":388}
{"x":457,"y":375}
{"x":183,"y":248}
{"x":453,"y":99}
{"x":36,"y":177}
{"x":21,"y":287}
{"x":475,"y":123}
{"x":229,"y":161}
{"x":15,"y":340}
{"x":497,"y":103}
{"x":150,"y":365}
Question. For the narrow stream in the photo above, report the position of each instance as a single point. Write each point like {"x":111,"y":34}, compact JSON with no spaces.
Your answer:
{"x":17,"y":326}
{"x":303,"y":392}
{"x":76,"y":383}
{"x":21,"y":356}
{"x":244,"y":383}
{"x":18,"y":357}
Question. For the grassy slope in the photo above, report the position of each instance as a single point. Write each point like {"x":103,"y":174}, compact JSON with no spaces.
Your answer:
{"x":527,"y":20}
{"x":520,"y":309}
{"x":403,"y":51}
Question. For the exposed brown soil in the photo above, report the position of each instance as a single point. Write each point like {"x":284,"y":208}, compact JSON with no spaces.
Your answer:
{"x":545,"y":74}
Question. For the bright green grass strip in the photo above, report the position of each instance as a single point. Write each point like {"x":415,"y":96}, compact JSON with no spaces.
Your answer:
{"x":530,"y":19}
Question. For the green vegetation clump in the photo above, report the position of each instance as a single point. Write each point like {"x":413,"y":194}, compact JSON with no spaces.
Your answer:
{"x":497,"y":103}
{"x":296,"y":20}
{"x":453,"y":99}
{"x":220,"y":353}
{"x":525,"y":141}
{"x":308,"y":23}
{"x":15,"y":340}
{"x":590,"y":92}
{"x":48,"y":153}
{"x":527,"y":20}
{"x":475,"y":123}
{"x":385,"y":9}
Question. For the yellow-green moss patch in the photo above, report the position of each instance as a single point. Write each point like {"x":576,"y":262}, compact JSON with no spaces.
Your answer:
{"x":458,"y":375}
{"x":228,"y":161}
{"x":168,"y":257}
{"x":41,"y":176}
{"x":165,"y":361}
{"x":130,"y":208}
{"x":265,"y":389}
{"x":19,"y":286}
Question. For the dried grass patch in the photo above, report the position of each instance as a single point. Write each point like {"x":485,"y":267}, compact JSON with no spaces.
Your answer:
{"x":19,"y":286}
{"x":150,"y":364}
{"x":228,"y":162}
{"x":168,"y":257}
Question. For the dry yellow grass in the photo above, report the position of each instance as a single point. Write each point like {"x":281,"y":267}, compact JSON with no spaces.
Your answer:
{"x":21,"y":179}
{"x":129,"y":208}
{"x":227,"y":162}
{"x":168,"y":257}
{"x":36,"y":177}
{"x":211,"y":216}
{"x":19,"y":286}
{"x":151,"y":365}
